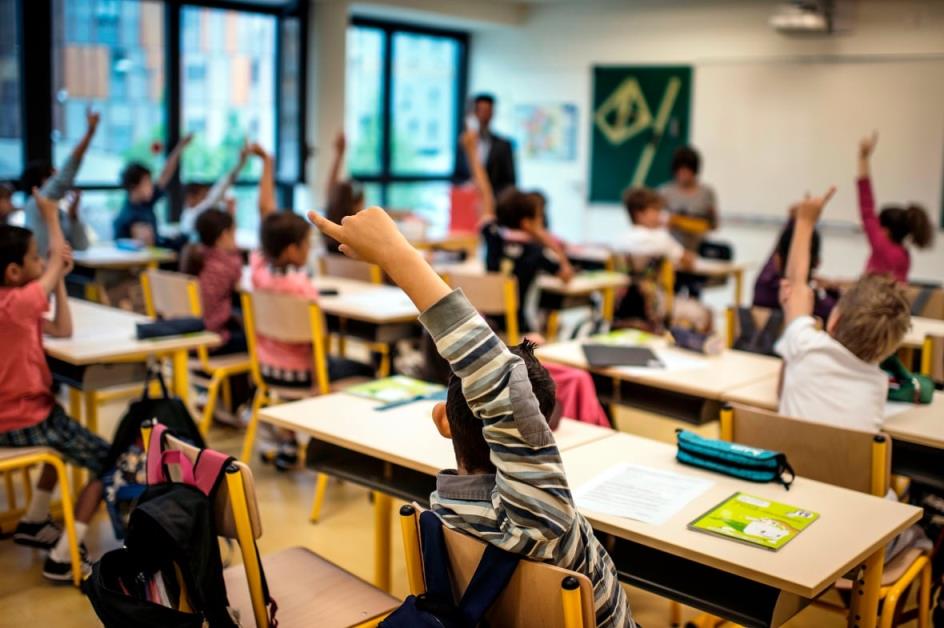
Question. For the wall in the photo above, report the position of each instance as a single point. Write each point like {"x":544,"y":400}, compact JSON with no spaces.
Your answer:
{"x":773,"y":115}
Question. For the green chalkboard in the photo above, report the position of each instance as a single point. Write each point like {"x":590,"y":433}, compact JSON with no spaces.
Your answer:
{"x":640,"y":115}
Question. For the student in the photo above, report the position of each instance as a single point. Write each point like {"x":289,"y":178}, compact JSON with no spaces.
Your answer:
{"x":137,"y":219}
{"x":509,"y":488}
{"x":688,"y":198}
{"x":767,"y":286}
{"x":218,"y":265}
{"x":7,"y":208}
{"x":29,"y":414}
{"x":833,"y":375}
{"x":888,"y":231}
{"x":53,"y":185}
{"x":649,"y":236}
{"x":199,"y":197}
{"x":513,"y":231}
{"x":345,"y":198}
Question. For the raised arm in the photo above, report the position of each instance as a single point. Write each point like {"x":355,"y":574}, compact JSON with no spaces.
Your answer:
{"x":470,"y":145}
{"x":267,"y":201}
{"x":60,"y":254}
{"x":62,"y":181}
{"x":173,"y":160}
{"x":796,"y":296}
{"x":334,"y":174}
{"x":870,"y":224}
{"x":215,"y":196}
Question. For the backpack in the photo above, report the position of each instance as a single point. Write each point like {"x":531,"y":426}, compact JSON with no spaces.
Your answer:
{"x":761,"y":340}
{"x":437,"y":607}
{"x":905,"y":386}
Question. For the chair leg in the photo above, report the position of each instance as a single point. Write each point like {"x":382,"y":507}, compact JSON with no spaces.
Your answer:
{"x":12,"y":502}
{"x":227,"y":391}
{"x":384,"y":369}
{"x":213,"y":393}
{"x":68,"y":516}
{"x":321,"y":487}
{"x":924,"y":597}
{"x":27,"y":485}
{"x":75,"y":404}
{"x":675,"y":614}
{"x":250,"y":437}
{"x":900,"y":588}
{"x":383,"y":505}
{"x":553,"y":325}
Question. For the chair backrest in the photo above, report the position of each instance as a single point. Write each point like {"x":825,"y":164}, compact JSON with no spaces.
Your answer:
{"x":854,"y":459}
{"x":933,"y":306}
{"x":932,"y":358}
{"x":532,"y":598}
{"x":170,"y":295}
{"x":760,"y":315}
{"x":347,"y":268}
{"x":492,"y":294}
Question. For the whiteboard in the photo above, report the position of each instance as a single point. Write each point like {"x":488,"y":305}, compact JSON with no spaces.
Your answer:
{"x":768,"y":131}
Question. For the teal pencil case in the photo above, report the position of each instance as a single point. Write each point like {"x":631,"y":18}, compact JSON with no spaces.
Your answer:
{"x":740,"y":461}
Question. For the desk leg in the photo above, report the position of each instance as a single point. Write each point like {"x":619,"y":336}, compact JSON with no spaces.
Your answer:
{"x":383,"y":513}
{"x":553,"y":325}
{"x":863,"y":610}
{"x":738,"y":287}
{"x":181,"y":375}
{"x":609,"y":304}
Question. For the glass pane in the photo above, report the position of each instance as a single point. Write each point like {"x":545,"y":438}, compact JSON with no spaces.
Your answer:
{"x":228,"y":89}
{"x":425,"y":93}
{"x":109,"y":55}
{"x":11,"y":133}
{"x":429,"y":201}
{"x":364,"y":99}
{"x":289,"y":130}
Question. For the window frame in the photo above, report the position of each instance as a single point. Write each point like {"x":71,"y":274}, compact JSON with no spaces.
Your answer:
{"x":386,"y":176}
{"x":36,"y":89}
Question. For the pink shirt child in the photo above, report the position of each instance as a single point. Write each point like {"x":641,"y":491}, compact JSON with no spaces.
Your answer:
{"x":285,"y":356}
{"x":887,"y":257}
{"x":218,"y":279}
{"x":25,"y":381}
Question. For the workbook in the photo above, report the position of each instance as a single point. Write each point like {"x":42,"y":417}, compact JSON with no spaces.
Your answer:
{"x":600,"y":356}
{"x":623,"y":337}
{"x":755,"y":521}
{"x":398,"y":388}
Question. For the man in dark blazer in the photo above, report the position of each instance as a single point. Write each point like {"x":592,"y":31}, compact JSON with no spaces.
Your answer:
{"x":495,"y":151}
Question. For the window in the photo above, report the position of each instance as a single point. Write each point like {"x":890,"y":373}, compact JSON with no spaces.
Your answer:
{"x":228,"y":91}
{"x":11,"y":133}
{"x":405,"y":88}
{"x":108,"y":55}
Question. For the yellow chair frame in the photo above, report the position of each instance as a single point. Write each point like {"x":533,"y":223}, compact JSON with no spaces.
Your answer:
{"x":219,"y":375}
{"x":509,"y":288}
{"x":608,"y":307}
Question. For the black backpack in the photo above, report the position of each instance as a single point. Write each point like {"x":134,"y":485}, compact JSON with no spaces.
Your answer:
{"x":437,"y":607}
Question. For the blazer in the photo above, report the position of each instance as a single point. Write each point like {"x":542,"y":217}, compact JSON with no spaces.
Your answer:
{"x":499,"y":166}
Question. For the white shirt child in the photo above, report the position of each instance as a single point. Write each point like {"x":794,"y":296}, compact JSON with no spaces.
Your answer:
{"x":646,"y":242}
{"x":825,"y":382}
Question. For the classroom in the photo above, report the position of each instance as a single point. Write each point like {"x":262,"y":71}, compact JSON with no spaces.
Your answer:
{"x":508,"y":313}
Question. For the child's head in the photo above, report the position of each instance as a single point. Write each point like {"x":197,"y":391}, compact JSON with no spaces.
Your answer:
{"x":686,"y":162}
{"x":902,"y":222}
{"x":871,"y":318}
{"x":20,"y":262}
{"x":455,"y":420}
{"x":540,"y":203}
{"x":644,"y":206}
{"x":35,"y":174}
{"x":516,"y":210}
{"x":195,"y":193}
{"x":782,"y":252}
{"x":345,"y":198}
{"x":6,"y":200}
{"x":216,"y":228}
{"x":136,"y":180}
{"x":284,"y":237}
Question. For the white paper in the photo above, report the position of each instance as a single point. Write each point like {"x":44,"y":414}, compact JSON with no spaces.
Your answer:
{"x":672,"y":361}
{"x":893,"y":408}
{"x":640,"y":493}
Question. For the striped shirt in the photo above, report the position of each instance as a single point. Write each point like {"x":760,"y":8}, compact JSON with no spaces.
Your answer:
{"x":525,"y":507}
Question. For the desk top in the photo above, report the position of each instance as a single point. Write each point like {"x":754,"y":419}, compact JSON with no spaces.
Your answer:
{"x":583,"y":283}
{"x":921,"y":328}
{"x":719,"y":268}
{"x":693,"y":374}
{"x":851,"y":525}
{"x":103,"y":334}
{"x":404,"y":435}
{"x":362,"y":301}
{"x":109,"y":257}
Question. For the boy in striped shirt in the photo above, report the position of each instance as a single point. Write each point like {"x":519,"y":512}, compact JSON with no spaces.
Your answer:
{"x":510,"y":488}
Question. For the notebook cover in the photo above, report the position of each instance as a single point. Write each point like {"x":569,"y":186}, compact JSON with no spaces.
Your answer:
{"x":604,"y":355}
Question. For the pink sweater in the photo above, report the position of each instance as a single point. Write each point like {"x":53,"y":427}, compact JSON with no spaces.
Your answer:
{"x":886,"y":257}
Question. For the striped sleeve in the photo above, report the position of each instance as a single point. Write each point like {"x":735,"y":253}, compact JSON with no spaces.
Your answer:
{"x":533,"y":502}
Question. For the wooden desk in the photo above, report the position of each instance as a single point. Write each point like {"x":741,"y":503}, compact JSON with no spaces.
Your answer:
{"x":580,"y":287}
{"x":921,"y":328}
{"x":370,"y":303}
{"x":467,"y":241}
{"x":107,"y":257}
{"x":723,"y":269}
{"x":104,"y":334}
{"x":747,"y":585}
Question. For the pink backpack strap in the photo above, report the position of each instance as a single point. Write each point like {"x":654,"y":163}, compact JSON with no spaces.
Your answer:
{"x":155,"y":470}
{"x":209,"y":469}
{"x":182,"y":461}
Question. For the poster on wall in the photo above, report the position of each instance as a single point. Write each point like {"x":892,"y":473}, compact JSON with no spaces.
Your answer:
{"x":547,"y":131}
{"x":641,"y":114}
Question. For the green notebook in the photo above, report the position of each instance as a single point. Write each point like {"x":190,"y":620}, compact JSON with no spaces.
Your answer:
{"x":395,"y":389}
{"x":755,"y":521}
{"x":623,"y":337}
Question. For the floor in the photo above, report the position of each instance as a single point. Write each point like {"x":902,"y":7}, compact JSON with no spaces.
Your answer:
{"x":344,"y":535}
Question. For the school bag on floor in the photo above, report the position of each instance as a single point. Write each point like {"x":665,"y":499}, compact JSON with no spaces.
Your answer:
{"x":437,"y":607}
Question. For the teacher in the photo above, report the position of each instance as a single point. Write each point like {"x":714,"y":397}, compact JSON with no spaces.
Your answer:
{"x":692,"y":205}
{"x":494,"y":151}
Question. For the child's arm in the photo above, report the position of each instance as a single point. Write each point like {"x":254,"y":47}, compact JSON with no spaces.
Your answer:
{"x":60,"y":255}
{"x":334,"y":174}
{"x":58,"y":184}
{"x":530,"y":481}
{"x":215,"y":196}
{"x":61,"y":324}
{"x":173,"y":160}
{"x":267,"y":201}
{"x":796,"y":295}
{"x":870,"y":224}
{"x":470,"y":143}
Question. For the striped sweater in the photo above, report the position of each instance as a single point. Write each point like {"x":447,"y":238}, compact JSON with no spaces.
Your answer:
{"x":526,"y":507}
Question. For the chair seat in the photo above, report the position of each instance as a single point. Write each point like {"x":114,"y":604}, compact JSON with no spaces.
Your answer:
{"x":309,"y":591}
{"x":233,"y":360}
{"x":893,"y":570}
{"x":15,"y":452}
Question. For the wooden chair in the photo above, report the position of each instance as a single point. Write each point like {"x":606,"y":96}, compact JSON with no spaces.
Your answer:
{"x":169,"y":295}
{"x":347,"y":268}
{"x":932,"y":358}
{"x":760,"y":315}
{"x":853,"y":459}
{"x":21,"y":459}
{"x":292,"y":319}
{"x":309,"y":590}
{"x":492,"y":294}
{"x":933,"y":303}
{"x":527,"y":600}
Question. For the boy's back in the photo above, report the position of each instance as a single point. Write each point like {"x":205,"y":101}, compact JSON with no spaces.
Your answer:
{"x":25,"y":380}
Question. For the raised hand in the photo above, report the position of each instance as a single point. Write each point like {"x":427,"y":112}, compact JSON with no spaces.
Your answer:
{"x":340,"y":142}
{"x":92,"y":118}
{"x":370,"y":235}
{"x":256,"y":149}
{"x":73,"y":201}
{"x":470,"y":140}
{"x":186,"y":140}
{"x":68,"y":263}
{"x":811,"y":207}
{"x":48,"y":208}
{"x":867,"y":145}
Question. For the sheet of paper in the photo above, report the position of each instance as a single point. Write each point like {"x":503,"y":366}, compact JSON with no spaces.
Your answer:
{"x":893,"y":408}
{"x":640,"y":493}
{"x":671,"y":361}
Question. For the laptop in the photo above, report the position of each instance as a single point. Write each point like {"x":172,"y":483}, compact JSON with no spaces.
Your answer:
{"x":600,"y":356}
